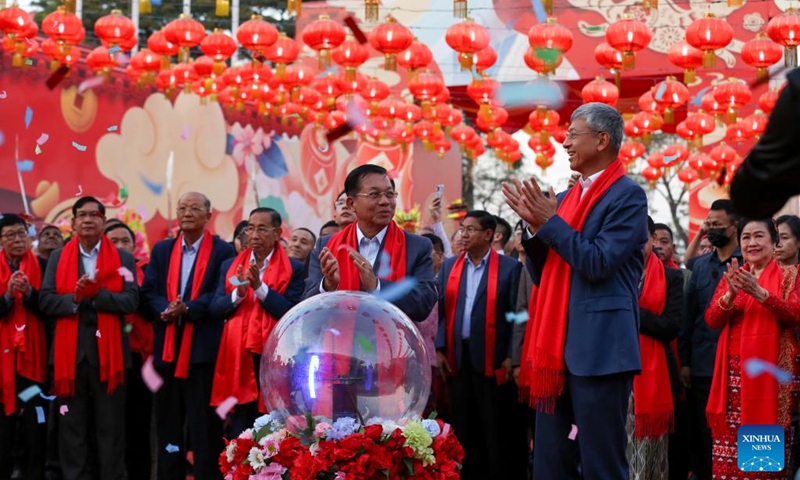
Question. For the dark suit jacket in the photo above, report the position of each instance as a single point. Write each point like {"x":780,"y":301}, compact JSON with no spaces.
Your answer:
{"x":771,"y":172}
{"x":122,"y":303}
{"x":607,"y":259}
{"x":274,"y":303}
{"x":207,"y":328}
{"x":665,"y":327}
{"x":417,"y":303}
{"x":506,"y":301}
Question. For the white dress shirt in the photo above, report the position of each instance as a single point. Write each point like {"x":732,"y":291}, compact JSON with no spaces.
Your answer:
{"x":586,"y":183}
{"x":474,"y":275}
{"x":187,"y":261}
{"x":262,"y":291}
{"x":89,"y":260}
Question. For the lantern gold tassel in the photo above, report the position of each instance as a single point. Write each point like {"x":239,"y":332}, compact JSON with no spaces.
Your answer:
{"x":689,"y":76}
{"x":460,"y":9}
{"x":548,"y":7}
{"x":628,"y":61}
{"x":709,"y":58}
{"x":371,"y":10}
{"x":790,"y":56}
{"x":145,"y":7}
{"x":69,"y":6}
{"x":294,"y":7}
{"x":223,"y":8}
{"x":734,"y":3}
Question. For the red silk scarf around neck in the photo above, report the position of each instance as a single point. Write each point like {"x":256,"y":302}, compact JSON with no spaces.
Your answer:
{"x":140,"y":336}
{"x":542,"y":370}
{"x":652,"y":392}
{"x":394,"y":242}
{"x":760,"y":338}
{"x":109,"y":329}
{"x":21,"y":332}
{"x":173,"y":293}
{"x":672,"y":264}
{"x":451,"y":299}
{"x":246,"y":331}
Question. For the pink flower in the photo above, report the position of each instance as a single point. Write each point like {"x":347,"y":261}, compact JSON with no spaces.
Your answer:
{"x":247,"y":434}
{"x":248,"y":142}
{"x":321,"y":429}
{"x":273,"y":471}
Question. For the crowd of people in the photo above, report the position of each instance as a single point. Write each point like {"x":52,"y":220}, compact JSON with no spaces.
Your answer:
{"x":572,"y":345}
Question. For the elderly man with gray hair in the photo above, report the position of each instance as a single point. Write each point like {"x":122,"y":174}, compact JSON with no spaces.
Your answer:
{"x":585,"y":254}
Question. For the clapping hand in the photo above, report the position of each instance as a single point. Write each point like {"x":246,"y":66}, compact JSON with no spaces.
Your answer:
{"x":528,"y":201}
{"x":241,"y":290}
{"x":329,"y":267}
{"x":254,"y":276}
{"x":368,"y":278}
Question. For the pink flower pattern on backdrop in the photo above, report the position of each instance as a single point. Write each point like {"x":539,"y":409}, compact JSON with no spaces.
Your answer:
{"x":248,"y":142}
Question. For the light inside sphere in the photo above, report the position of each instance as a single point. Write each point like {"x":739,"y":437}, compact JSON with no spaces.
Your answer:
{"x":345,"y":354}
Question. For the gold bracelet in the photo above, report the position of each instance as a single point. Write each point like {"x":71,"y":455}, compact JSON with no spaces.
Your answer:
{"x":722,"y":307}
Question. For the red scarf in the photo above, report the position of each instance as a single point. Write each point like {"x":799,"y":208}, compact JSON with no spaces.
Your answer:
{"x":349,"y":279}
{"x":760,"y":338}
{"x":542,"y":369}
{"x":652,"y":393}
{"x":173,"y":293}
{"x":341,"y":344}
{"x":109,"y":339}
{"x":451,"y":300}
{"x":246,"y":331}
{"x":672,"y":264}
{"x":22,"y":332}
{"x":140,"y":335}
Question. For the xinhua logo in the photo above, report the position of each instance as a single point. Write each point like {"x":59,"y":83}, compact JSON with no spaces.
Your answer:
{"x":761,"y":448}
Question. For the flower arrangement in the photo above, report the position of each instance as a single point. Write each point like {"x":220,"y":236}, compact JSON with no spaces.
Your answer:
{"x":343,"y":450}
{"x":408,"y":219}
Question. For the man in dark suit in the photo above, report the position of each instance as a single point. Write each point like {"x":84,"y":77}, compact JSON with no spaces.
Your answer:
{"x":473,"y":343}
{"x":374,"y":246}
{"x":178,"y":288}
{"x":269,"y":283}
{"x":84,"y":289}
{"x":24,"y":346}
{"x":585,"y":255}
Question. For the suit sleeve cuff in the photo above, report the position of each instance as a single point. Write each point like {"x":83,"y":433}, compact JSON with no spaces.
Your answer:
{"x":235,"y":298}
{"x":262,"y":292}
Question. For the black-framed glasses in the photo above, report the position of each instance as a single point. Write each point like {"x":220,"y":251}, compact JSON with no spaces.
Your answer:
{"x":10,"y":236}
{"x":248,"y":230}
{"x":389,"y":195}
{"x":572,"y":135}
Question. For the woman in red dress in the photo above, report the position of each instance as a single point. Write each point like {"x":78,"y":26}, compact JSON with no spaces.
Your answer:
{"x":757,"y":307}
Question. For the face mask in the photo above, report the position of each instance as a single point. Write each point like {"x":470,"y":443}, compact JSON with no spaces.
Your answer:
{"x":717,"y":237}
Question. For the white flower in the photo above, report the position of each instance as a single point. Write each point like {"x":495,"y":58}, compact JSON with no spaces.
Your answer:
{"x":432,"y":427}
{"x":753,"y":22}
{"x":230,"y":451}
{"x":313,"y":449}
{"x":256,"y":459}
{"x":389,"y":426}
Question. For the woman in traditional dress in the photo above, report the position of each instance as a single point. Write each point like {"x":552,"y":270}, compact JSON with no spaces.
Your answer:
{"x":757,"y":307}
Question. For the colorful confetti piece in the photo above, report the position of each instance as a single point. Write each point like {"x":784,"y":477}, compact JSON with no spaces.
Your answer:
{"x":394,"y":291}
{"x":43,"y":138}
{"x":57,"y":76}
{"x":156,"y":188}
{"x":49,"y":398}
{"x":25,"y":165}
{"x":517,"y":317}
{"x":78,"y":146}
{"x":38,"y":150}
{"x":150,"y":377}
{"x":3,"y":95}
{"x":187,"y":131}
{"x":756,"y":366}
{"x":29,"y":393}
{"x":80,"y":191}
{"x":662,"y":88}
{"x":226,"y":406}
{"x":126,"y":274}
{"x":573,"y":433}
{"x":28,"y":116}
{"x":236,"y":282}
{"x":63,"y":410}
{"x":112,"y":128}
{"x":172,"y":448}
{"x":90,"y":83}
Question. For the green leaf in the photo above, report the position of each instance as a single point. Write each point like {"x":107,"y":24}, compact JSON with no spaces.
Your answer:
{"x":409,"y":465}
{"x":594,"y":28}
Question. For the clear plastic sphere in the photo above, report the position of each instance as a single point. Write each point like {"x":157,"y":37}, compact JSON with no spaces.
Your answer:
{"x":345,"y":354}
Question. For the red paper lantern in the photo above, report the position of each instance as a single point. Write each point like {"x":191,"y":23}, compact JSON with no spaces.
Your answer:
{"x":548,"y":41}
{"x":683,"y":55}
{"x":656,"y":160}
{"x":648,"y":104}
{"x":700,"y":124}
{"x":374,"y":91}
{"x":219,"y":47}
{"x":685,"y":132}
{"x":628,"y":36}
{"x":417,"y":56}
{"x":648,"y":122}
{"x":390,"y":38}
{"x":281,"y":53}
{"x":351,"y":55}
{"x":483,"y":90}
{"x":675,"y":154}
{"x":723,"y":154}
{"x":114,"y":29}
{"x":761,"y":52}
{"x":60,"y":25}
{"x":100,"y":61}
{"x":463,"y":134}
{"x":709,"y":34}
{"x":670,"y":94}
{"x":688,"y":176}
{"x":610,"y":58}
{"x":652,"y":174}
{"x":159,"y":44}
{"x":712,"y":106}
{"x":484,"y":59}
{"x":632,"y":150}
{"x":448,"y":116}
{"x":756,"y":124}
{"x":732,"y":94}
{"x":737,"y":133}
{"x":425,"y":86}
{"x":467,"y":38}
{"x":767,"y":100}
{"x":257,"y":36}
{"x":541,"y":65}
{"x":14,"y":20}
{"x":631,"y":130}
{"x":599,"y":90}
{"x":784,"y":30}
{"x":322,"y":36}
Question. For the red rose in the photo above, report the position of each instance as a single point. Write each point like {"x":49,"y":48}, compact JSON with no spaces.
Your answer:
{"x":373,"y":431}
{"x":289,"y":449}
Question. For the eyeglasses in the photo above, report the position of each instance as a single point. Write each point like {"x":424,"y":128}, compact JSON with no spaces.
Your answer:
{"x":194,"y":210}
{"x":572,"y":135}
{"x":470,"y":230}
{"x":390,"y":195}
{"x":248,"y":230}
{"x":86,"y":215}
{"x":10,"y":236}
{"x":339,"y":203}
